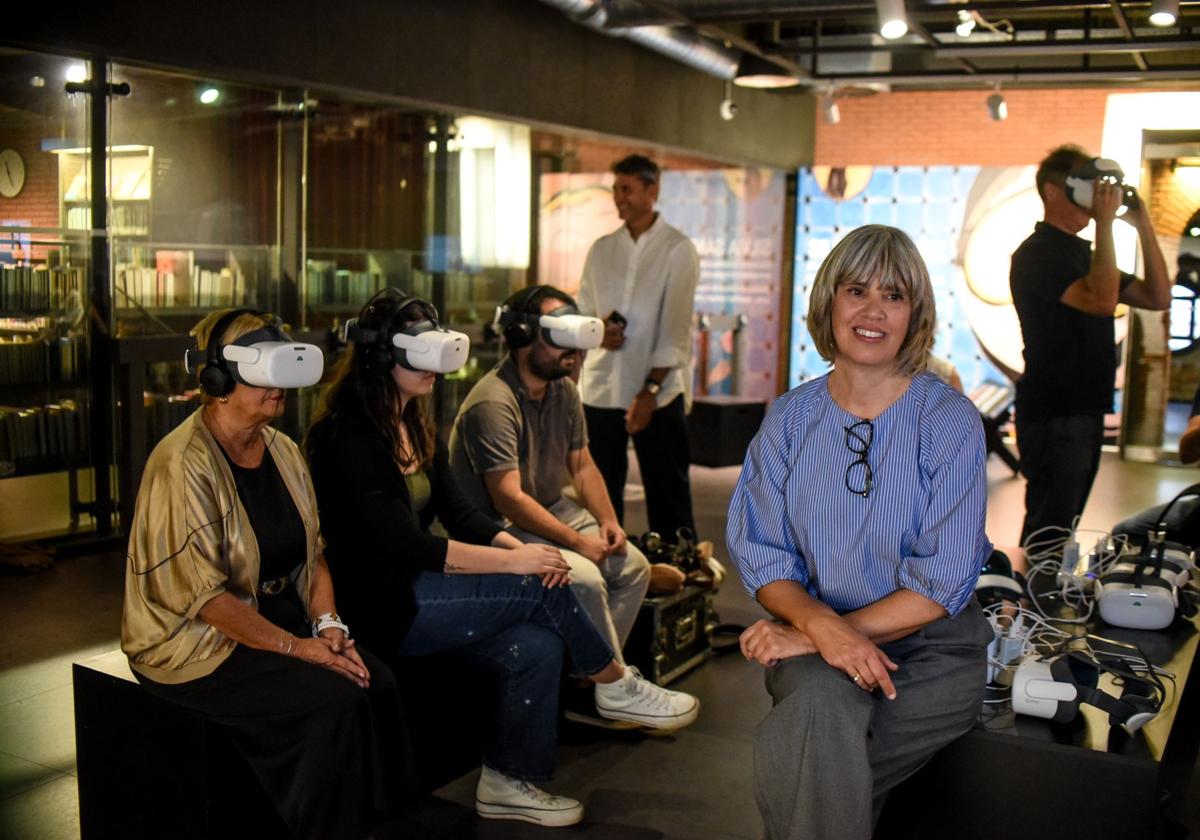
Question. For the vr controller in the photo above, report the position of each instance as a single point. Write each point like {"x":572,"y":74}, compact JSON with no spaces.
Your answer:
{"x":1081,"y":183}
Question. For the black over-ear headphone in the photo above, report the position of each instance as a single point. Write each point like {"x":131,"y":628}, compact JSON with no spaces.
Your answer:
{"x":215,"y":378}
{"x":379,"y":354}
{"x":518,"y":324}
{"x":517,"y":318}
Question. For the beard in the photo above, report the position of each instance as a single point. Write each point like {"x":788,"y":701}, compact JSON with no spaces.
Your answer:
{"x":549,"y":367}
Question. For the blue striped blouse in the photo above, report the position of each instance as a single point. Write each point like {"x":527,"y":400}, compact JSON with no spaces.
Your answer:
{"x":921,"y":528}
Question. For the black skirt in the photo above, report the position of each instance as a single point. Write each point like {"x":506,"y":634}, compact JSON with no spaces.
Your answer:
{"x":334,"y":758}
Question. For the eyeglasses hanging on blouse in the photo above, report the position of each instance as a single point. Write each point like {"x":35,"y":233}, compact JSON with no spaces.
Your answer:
{"x":859,"y":477}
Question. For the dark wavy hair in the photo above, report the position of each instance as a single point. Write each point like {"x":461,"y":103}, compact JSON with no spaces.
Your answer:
{"x":360,"y":386}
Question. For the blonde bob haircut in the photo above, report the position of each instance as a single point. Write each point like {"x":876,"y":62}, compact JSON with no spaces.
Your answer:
{"x":240,"y":326}
{"x":876,"y":253}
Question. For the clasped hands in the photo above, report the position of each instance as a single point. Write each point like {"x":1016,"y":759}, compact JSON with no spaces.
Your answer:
{"x":599,"y":547}
{"x":839,"y":644}
{"x":335,"y":651}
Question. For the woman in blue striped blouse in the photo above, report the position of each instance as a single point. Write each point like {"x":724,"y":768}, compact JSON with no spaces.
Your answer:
{"x":858,"y":523}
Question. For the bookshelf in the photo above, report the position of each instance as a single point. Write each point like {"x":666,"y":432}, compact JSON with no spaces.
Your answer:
{"x":130,"y":171}
{"x":43,"y":352}
{"x":163,"y":287}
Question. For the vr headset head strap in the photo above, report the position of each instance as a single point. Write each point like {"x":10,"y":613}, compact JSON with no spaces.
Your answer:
{"x":517,"y":319}
{"x":217,"y":378}
{"x":379,"y":351}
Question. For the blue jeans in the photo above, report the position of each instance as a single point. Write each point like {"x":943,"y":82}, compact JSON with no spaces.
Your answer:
{"x":516,"y":628}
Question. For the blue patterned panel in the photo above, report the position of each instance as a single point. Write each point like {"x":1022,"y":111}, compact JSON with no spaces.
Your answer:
{"x":927,"y":203}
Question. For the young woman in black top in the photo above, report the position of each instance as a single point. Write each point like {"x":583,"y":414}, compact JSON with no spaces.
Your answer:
{"x":382,"y":477}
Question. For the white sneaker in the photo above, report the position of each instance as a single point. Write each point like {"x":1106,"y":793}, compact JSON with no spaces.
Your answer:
{"x":500,"y":797}
{"x":636,"y":699}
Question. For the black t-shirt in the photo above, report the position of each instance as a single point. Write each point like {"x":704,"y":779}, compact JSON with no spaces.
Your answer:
{"x":282,"y":542}
{"x":1070,"y":357}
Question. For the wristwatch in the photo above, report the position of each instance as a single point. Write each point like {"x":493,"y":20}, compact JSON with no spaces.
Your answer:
{"x":652,"y":386}
{"x":326,"y":620}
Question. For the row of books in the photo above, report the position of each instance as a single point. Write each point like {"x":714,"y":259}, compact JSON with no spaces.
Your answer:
{"x":52,"y":433}
{"x":166,"y":411}
{"x":31,"y":290}
{"x":29,"y":360}
{"x":123,"y":218}
{"x":330,"y":286}
{"x":198,"y":288}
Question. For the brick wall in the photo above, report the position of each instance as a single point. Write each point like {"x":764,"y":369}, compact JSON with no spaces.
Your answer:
{"x":928,"y":128}
{"x":37,"y":203}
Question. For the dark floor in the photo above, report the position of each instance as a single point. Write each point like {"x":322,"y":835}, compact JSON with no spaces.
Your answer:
{"x":694,"y":785}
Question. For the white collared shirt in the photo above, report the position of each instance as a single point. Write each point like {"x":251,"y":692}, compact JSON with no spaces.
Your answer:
{"x":652,"y":283}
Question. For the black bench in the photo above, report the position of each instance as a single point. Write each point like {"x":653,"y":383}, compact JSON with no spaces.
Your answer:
{"x":148,"y":768}
{"x":995,"y":403}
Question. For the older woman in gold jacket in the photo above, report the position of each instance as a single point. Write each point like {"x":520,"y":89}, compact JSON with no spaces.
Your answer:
{"x":225,"y":575}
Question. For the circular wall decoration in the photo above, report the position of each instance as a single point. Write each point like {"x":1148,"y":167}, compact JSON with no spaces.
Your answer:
{"x":12,"y":173}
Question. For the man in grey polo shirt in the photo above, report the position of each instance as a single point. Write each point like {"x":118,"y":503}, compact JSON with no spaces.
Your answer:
{"x":519,"y":438}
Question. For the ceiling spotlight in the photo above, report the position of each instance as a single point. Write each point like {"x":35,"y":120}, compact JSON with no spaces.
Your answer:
{"x":893,"y":23}
{"x":1164,"y":12}
{"x":754,"y":71}
{"x":209,"y":95}
{"x":966,"y":23}
{"x":829,"y":109}
{"x":76,"y":73}
{"x":728,"y":108}
{"x":997,"y":107}
{"x":37,"y":81}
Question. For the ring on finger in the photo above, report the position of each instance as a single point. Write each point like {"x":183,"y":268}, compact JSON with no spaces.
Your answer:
{"x":857,"y":678}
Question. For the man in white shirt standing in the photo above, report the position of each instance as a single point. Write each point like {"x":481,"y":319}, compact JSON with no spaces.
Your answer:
{"x":641,"y":279}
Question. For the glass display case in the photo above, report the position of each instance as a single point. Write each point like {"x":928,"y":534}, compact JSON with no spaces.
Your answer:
{"x":46,"y":394}
{"x":217,"y":195}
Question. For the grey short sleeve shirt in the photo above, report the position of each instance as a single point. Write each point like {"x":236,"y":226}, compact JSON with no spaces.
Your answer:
{"x":500,"y":427}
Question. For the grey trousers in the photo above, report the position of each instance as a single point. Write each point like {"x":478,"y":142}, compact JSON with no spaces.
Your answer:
{"x":611,"y":592}
{"x":828,"y":752}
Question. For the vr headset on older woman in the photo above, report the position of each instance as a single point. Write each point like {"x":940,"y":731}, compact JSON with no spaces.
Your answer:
{"x":264,"y":358}
{"x":422,"y":345}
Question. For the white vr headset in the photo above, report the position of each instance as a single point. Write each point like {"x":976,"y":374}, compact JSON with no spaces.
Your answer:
{"x":424,"y":345}
{"x":436,"y":350}
{"x":275,"y":364}
{"x":263,"y":358}
{"x":1146,"y":592}
{"x":1053,"y":688}
{"x":1081,"y":183}
{"x":572,"y":331}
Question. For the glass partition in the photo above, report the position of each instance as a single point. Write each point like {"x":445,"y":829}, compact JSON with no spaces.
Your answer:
{"x":44,"y":268}
{"x":194,"y":199}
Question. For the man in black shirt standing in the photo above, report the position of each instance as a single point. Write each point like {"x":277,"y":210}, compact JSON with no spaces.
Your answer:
{"x":1066,"y":292}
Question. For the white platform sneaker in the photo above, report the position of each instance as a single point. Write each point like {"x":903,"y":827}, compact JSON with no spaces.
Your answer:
{"x":500,"y":797}
{"x":634,"y":698}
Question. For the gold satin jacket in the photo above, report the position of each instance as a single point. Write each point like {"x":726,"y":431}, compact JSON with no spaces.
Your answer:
{"x":191,"y":540}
